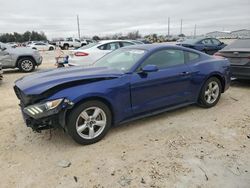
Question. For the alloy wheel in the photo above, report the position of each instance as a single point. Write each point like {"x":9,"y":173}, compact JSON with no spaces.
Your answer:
{"x":91,"y":122}
{"x":212,"y":92}
{"x":27,"y":65}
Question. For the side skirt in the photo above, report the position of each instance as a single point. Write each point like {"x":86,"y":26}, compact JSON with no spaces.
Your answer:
{"x":156,"y":112}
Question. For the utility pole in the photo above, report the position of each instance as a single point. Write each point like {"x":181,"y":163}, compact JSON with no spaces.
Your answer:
{"x":195,"y":30}
{"x":181,"y":27}
{"x":168,"y":27}
{"x":78,"y":26}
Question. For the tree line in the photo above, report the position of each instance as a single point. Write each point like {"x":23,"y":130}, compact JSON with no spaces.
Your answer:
{"x":27,"y":36}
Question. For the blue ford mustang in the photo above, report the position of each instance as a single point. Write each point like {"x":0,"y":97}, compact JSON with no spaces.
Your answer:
{"x":129,"y":83}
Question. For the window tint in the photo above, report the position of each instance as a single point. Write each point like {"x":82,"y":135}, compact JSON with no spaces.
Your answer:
{"x":77,"y":40}
{"x":110,"y":46}
{"x":165,"y":58}
{"x":192,"y":56}
{"x":126,"y":44}
{"x":216,"y":42}
{"x":69,"y":39}
{"x":207,"y":42}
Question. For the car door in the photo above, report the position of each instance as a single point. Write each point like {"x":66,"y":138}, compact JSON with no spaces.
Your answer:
{"x":209,"y":47}
{"x":217,"y":45}
{"x":169,"y":86}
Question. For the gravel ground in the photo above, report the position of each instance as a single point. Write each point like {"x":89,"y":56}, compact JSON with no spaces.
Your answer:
{"x":188,"y":147}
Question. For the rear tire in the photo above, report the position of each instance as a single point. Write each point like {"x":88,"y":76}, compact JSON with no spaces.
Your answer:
{"x":89,"y":122}
{"x":26,"y":64}
{"x":210,"y":93}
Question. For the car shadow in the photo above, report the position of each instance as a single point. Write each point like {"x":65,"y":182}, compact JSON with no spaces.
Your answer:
{"x":240,"y":83}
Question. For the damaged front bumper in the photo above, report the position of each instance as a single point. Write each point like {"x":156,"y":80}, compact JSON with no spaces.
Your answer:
{"x":39,"y":118}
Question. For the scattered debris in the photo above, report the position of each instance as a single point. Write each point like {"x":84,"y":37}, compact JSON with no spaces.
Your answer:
{"x":143,"y":181}
{"x":64,"y":163}
{"x":75,"y":178}
{"x":113,"y":173}
{"x":124,"y":181}
{"x":220,"y":146}
{"x":234,"y":99}
{"x":204,"y":173}
{"x":248,"y":136}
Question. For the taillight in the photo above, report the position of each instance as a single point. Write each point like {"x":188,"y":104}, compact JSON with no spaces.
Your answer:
{"x":219,"y":55}
{"x":81,"y":54}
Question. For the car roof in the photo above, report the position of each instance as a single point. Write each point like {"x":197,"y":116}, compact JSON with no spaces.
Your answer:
{"x":107,"y":41}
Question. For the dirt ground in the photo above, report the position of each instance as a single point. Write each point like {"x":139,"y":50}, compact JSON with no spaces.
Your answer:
{"x":188,"y":147}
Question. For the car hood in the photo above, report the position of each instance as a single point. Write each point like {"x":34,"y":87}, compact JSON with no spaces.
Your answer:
{"x":41,"y":82}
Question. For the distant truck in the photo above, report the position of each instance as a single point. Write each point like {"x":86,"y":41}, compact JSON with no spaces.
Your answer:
{"x":68,"y":43}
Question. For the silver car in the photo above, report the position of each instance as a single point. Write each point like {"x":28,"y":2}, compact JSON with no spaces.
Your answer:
{"x":25,"y":59}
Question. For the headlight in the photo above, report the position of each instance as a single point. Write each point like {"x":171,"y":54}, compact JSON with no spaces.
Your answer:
{"x":43,"y":109}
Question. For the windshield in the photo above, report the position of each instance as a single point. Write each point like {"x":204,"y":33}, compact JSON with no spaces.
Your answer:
{"x":121,"y":59}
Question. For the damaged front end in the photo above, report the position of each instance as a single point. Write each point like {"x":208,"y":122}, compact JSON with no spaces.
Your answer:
{"x":43,"y":115}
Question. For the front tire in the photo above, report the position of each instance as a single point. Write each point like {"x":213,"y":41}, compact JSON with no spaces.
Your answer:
{"x":89,"y":122}
{"x":210,"y":93}
{"x":51,"y":48}
{"x":26,"y":64}
{"x":65,"y":46}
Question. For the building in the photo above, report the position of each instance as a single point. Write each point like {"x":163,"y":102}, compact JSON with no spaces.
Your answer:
{"x":243,"y":33}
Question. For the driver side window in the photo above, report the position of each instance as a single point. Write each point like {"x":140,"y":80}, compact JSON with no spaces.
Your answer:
{"x":165,"y":58}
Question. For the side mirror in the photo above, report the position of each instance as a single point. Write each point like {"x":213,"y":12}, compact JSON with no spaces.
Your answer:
{"x":222,"y":43}
{"x":150,"y":68}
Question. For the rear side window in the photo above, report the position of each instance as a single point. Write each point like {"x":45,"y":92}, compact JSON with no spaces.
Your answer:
{"x":110,"y":46}
{"x":126,"y":44}
{"x":207,"y":42}
{"x":192,"y":56}
{"x":165,"y":58}
{"x":216,"y":42}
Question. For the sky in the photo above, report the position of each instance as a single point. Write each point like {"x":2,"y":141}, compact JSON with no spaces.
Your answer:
{"x":57,"y":18}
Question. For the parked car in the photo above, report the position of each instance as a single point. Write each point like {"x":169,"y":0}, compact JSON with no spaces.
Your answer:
{"x":69,"y":42}
{"x":41,"y":46}
{"x":25,"y":59}
{"x":206,"y":45}
{"x":88,"y":54}
{"x":238,"y":53}
{"x":87,"y":41}
{"x":129,"y":83}
{"x":1,"y":72}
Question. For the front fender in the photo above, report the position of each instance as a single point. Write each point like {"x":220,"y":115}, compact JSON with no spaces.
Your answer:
{"x":115,"y":91}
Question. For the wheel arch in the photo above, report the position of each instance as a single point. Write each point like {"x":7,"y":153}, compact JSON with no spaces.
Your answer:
{"x":216,"y":75}
{"x":25,"y":56}
{"x":219,"y":77}
{"x":93,"y":98}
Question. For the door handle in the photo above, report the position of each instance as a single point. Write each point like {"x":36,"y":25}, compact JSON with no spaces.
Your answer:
{"x":184,"y":73}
